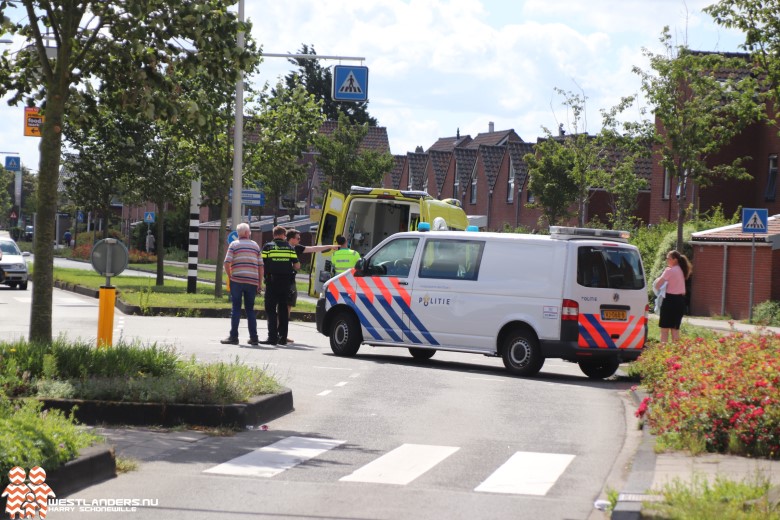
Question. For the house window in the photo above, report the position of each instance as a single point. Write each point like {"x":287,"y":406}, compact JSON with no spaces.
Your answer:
{"x":473,"y":198}
{"x":530,"y":197}
{"x":510,"y":185}
{"x":425,"y":185}
{"x":682,"y":187}
{"x":456,"y":187}
{"x":771,"y":181}
{"x":667,"y":184}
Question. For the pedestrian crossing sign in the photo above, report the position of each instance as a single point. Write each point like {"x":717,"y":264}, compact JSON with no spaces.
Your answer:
{"x":149,"y":217}
{"x":349,"y":83}
{"x":755,"y":220}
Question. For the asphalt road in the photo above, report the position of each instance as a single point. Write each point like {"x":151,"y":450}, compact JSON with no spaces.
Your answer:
{"x":378,"y":436}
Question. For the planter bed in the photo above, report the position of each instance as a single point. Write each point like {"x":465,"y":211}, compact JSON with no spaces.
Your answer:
{"x":258,"y":410}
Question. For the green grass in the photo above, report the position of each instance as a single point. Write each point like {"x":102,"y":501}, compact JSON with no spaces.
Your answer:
{"x":124,"y":372}
{"x":175,"y":270}
{"x":700,"y":500}
{"x":142,"y":291}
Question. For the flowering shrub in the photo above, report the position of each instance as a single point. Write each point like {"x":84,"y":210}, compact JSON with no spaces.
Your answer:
{"x":136,"y":256}
{"x":720,"y":393}
{"x":82,"y":252}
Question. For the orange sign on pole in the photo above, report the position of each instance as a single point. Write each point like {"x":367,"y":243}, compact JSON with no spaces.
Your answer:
{"x":33,"y":121}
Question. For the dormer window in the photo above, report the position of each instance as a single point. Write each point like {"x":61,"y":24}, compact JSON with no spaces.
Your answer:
{"x":473,"y":198}
{"x":510,"y":185}
{"x":771,"y":181}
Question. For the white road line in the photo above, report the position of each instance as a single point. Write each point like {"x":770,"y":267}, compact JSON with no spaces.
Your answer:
{"x":275,"y":458}
{"x":527,"y":473}
{"x":402,"y":465}
{"x":342,"y":383}
{"x":356,"y":374}
{"x":325,"y":392}
{"x":23,"y":299}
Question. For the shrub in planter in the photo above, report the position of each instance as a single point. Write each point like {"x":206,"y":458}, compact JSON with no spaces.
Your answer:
{"x":31,"y":437}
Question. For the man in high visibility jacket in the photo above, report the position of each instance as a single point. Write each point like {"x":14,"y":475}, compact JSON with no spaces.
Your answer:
{"x":343,"y":258}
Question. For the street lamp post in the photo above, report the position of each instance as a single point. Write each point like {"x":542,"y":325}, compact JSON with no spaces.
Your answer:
{"x":238,"y":132}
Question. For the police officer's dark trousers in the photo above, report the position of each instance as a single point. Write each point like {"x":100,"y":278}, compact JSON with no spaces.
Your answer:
{"x":277,"y":292}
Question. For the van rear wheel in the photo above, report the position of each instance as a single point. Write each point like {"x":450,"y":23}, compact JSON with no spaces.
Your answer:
{"x":421,"y":353}
{"x":345,"y":335}
{"x":599,"y":368}
{"x":521,"y":354}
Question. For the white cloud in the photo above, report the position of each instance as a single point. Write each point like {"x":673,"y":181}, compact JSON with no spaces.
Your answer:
{"x":439,"y":65}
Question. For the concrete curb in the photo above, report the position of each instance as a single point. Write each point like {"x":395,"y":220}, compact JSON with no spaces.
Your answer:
{"x":640,"y":478}
{"x":258,"y":410}
{"x":174,"y":311}
{"x":93,"y":465}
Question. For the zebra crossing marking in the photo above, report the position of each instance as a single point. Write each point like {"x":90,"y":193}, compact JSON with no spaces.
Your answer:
{"x":402,"y":465}
{"x":275,"y":458}
{"x":527,"y":473}
{"x":524,"y":473}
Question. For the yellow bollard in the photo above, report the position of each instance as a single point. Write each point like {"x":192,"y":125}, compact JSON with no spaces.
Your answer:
{"x":106,"y":316}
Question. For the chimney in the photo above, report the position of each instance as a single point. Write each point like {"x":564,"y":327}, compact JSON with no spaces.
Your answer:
{"x":491,"y":127}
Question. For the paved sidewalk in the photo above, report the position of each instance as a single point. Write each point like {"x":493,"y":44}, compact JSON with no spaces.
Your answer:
{"x":650,"y":472}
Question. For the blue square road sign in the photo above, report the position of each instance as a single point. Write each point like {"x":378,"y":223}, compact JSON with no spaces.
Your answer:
{"x":755,"y":220}
{"x":13,"y":164}
{"x":350,"y":83}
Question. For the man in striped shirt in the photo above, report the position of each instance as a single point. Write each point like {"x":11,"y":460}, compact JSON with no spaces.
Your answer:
{"x":244,"y":267}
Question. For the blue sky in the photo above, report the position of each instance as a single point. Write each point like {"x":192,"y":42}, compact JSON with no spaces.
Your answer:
{"x":436,"y":66}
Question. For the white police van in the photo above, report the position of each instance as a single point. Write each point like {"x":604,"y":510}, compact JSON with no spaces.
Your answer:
{"x":577,"y":294}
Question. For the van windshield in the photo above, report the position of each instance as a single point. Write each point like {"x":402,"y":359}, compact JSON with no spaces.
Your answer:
{"x":609,"y":268}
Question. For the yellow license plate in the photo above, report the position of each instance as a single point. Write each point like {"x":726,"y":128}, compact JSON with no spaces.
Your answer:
{"x":613,"y":315}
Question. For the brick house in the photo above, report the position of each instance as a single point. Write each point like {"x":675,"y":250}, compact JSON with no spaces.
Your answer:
{"x":489,"y":176}
{"x":721,"y":271}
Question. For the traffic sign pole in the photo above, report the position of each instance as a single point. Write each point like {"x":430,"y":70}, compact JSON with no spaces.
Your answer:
{"x":752,"y":269}
{"x":754,"y":220}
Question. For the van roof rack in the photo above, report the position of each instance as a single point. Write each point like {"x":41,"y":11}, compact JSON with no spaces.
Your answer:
{"x":573,"y":233}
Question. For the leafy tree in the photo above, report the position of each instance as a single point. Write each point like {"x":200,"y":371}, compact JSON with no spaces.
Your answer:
{"x":134,"y":45}
{"x":588,"y":154}
{"x":759,"y":20}
{"x":551,"y":179}
{"x":318,"y":81}
{"x":285,"y":124}
{"x":6,"y":193}
{"x":344,"y":163}
{"x":626,"y":143}
{"x":700,"y":105}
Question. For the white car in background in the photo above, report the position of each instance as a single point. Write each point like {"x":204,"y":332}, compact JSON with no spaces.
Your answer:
{"x":13,"y":265}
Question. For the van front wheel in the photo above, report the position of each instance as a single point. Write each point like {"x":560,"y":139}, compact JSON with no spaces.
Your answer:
{"x":520,"y":351}
{"x":345,"y":335}
{"x":599,"y":368}
{"x":421,"y":353}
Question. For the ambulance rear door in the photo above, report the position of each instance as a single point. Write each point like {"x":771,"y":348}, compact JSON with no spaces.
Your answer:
{"x":454,"y":216}
{"x":331,"y":222}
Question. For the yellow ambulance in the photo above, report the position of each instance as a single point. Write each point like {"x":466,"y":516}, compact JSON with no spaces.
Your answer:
{"x":366,"y":216}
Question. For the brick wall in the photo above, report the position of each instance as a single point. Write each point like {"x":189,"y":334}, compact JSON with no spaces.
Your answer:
{"x":707,"y":279}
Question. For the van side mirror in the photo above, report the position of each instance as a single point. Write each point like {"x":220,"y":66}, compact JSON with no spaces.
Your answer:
{"x":360,"y":265}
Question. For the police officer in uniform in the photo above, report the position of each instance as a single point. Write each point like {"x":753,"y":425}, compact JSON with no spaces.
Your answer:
{"x":281,"y":263}
{"x":343,"y":258}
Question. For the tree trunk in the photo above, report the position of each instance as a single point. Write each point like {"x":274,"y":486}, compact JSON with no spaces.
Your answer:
{"x":48,"y":177}
{"x":159,"y":248}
